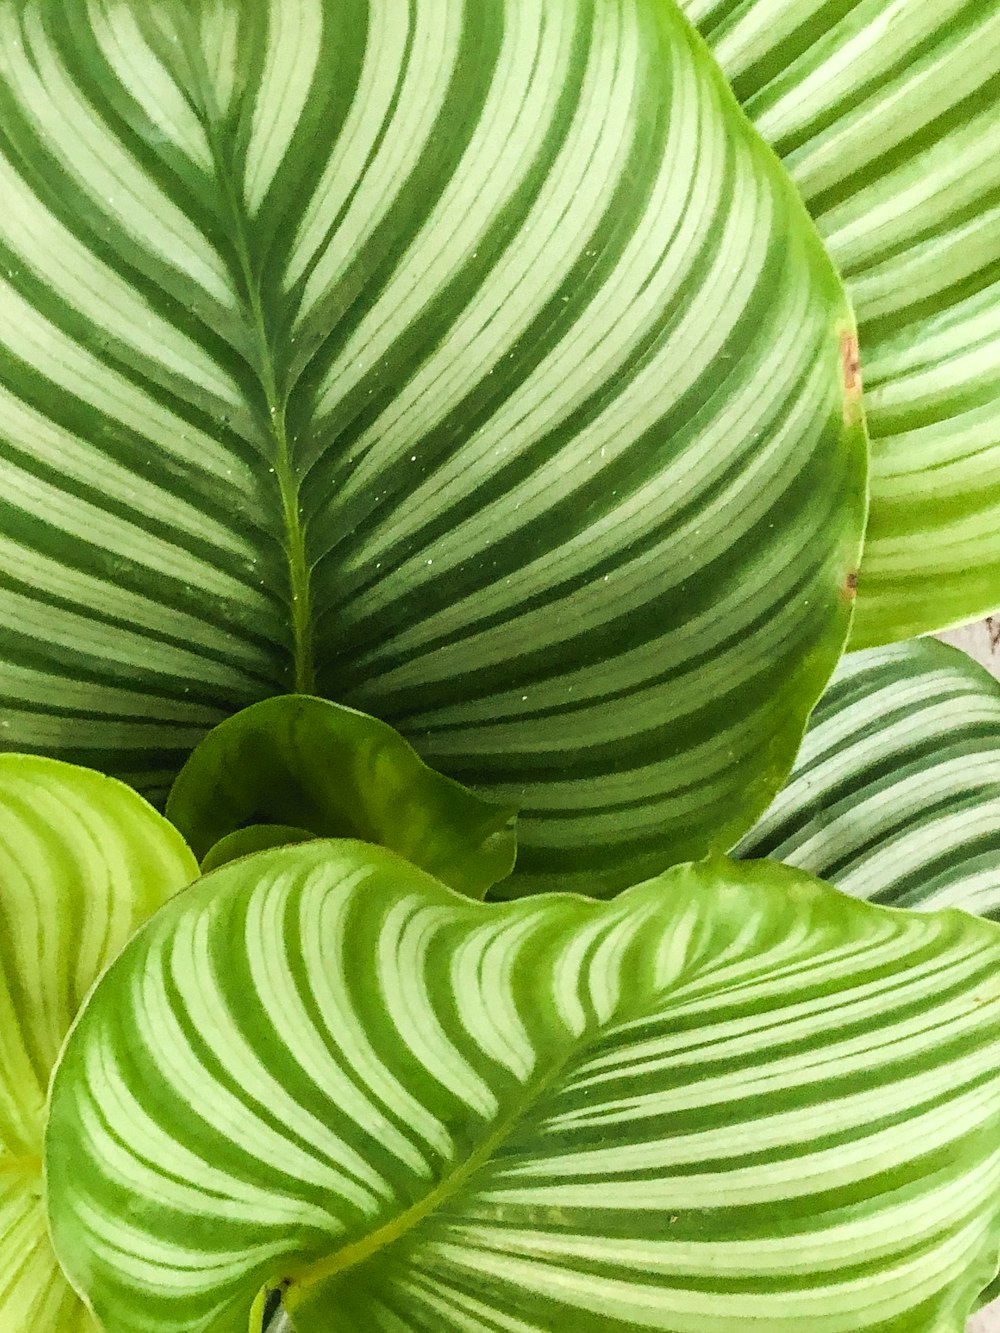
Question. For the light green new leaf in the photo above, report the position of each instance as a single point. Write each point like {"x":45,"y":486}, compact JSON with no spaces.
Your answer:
{"x":731,"y":1095}
{"x":294,"y":767}
{"x":887,"y":115}
{"x":895,"y":794}
{"x":83,"y":861}
{"x":469,"y":362}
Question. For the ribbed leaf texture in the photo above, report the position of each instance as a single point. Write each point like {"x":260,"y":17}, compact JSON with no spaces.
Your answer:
{"x":83,"y":861}
{"x":886,"y":113}
{"x":468,"y":362}
{"x":895,"y":794}
{"x":731,"y":1095}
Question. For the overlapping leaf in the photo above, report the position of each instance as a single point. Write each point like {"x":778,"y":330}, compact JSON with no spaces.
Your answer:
{"x":296,"y":767}
{"x":731,"y":1094}
{"x":895,"y":794}
{"x":83,"y":861}
{"x":469,"y":362}
{"x":887,"y":115}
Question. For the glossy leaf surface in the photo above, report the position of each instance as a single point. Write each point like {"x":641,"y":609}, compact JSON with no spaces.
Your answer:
{"x":895,"y":794}
{"x":468,"y":362}
{"x":83,"y":861}
{"x":886,"y":113}
{"x":732,"y":1093}
{"x":311,"y":767}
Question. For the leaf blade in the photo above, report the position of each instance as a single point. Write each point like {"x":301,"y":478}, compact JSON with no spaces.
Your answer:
{"x":456,"y":1151}
{"x":895,"y":795}
{"x":886,"y":117}
{"x":505,"y":330}
{"x":336,"y":773}
{"x":83,"y":860}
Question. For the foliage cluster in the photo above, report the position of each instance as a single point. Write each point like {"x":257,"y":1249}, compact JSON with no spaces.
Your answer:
{"x":481,"y":847}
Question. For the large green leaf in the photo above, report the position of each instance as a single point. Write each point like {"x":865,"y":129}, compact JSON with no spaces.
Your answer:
{"x":295,"y":765}
{"x":83,"y":861}
{"x":887,"y":115}
{"x":895,"y":794}
{"x":468,"y":362}
{"x":731,"y":1095}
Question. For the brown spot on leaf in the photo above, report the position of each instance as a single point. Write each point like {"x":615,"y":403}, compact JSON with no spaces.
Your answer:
{"x":850,"y":366}
{"x":851,"y":584}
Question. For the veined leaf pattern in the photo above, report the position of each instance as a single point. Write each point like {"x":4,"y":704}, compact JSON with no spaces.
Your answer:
{"x":468,"y":362}
{"x":886,"y":113}
{"x":83,"y":862}
{"x":732,"y":1093}
{"x":895,"y":794}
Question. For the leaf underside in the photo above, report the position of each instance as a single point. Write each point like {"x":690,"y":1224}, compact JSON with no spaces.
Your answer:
{"x":83,"y":861}
{"x":731,"y":1094}
{"x":895,"y":794}
{"x":886,"y":113}
{"x":469,"y":362}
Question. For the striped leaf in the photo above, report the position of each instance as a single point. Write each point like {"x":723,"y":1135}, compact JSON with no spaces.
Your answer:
{"x":295,"y":767}
{"x":886,"y":113}
{"x":83,"y":861}
{"x":730,"y":1095}
{"x":469,"y":362}
{"x":895,"y":795}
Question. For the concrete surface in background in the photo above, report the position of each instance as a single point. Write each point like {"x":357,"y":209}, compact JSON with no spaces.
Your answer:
{"x":981,"y":641}
{"x":986,"y":1321}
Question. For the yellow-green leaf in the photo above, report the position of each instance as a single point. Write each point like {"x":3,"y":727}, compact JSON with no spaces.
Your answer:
{"x":83,"y":862}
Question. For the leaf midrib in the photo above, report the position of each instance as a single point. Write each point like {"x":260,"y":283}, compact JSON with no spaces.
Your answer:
{"x":350,"y":1256}
{"x":297,"y":1282}
{"x":288,"y":485}
{"x":299,"y":574}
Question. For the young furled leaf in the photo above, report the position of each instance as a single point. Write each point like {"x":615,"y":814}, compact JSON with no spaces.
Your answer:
{"x":296,"y":767}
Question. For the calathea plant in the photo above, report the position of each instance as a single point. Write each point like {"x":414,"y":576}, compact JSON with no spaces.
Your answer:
{"x":414,"y":415}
